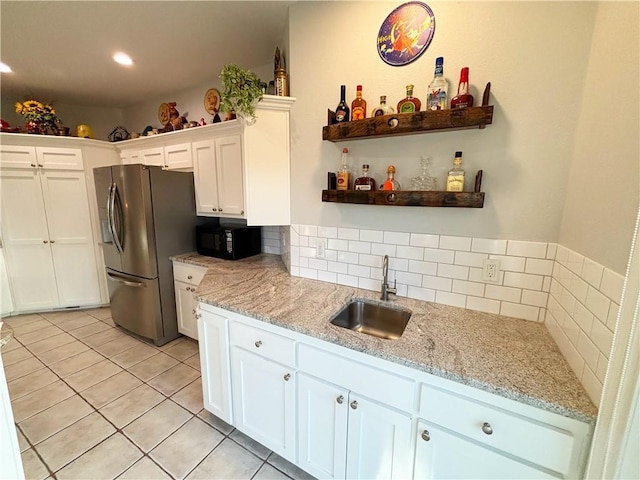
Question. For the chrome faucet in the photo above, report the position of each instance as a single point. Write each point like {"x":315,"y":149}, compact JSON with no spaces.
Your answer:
{"x":386,"y":290}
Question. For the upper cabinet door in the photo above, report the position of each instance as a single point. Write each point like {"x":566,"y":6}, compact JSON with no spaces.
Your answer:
{"x":54,"y":158}
{"x":153,"y":156}
{"x":178,"y":156}
{"x":230,"y":175}
{"x":13,"y":156}
{"x":205,"y":177}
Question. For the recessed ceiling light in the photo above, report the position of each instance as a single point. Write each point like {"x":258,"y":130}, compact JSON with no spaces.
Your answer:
{"x":4,"y":68}
{"x":122,"y":58}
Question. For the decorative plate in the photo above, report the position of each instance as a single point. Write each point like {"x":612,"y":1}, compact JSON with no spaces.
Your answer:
{"x":406,"y":33}
{"x":212,"y":101}
{"x":163,"y":113}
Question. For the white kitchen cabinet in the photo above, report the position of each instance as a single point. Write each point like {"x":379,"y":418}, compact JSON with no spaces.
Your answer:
{"x":51,"y":158}
{"x":153,"y":156}
{"x":442,"y":454}
{"x":263,"y":387}
{"x":129,"y":156}
{"x":213,"y":332}
{"x":218,"y":177}
{"x":10,"y":461}
{"x":186,"y":279}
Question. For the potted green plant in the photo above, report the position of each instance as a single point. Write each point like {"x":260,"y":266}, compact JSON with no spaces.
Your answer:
{"x":241,"y":91}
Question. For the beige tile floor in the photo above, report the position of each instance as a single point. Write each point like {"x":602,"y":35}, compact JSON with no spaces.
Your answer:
{"x":91,"y":401}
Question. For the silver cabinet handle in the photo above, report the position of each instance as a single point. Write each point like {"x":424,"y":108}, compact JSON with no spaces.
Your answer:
{"x":45,"y":241}
{"x":53,"y":241}
{"x":193,"y":311}
{"x":287,"y":377}
{"x":40,"y":165}
{"x":214,"y":209}
{"x":340,"y":399}
{"x":33,"y":165}
{"x":197,"y":316}
{"x":241,"y":212}
{"x":486,"y":428}
{"x":354,"y":405}
{"x":189,"y":277}
{"x":258,"y":343}
{"x":425,"y":435}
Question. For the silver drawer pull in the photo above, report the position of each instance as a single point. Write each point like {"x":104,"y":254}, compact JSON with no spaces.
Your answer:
{"x":287,"y":377}
{"x":486,"y":428}
{"x":340,"y":399}
{"x":197,"y":316}
{"x":354,"y":405}
{"x":425,"y":435}
{"x":258,"y":343}
{"x":189,"y":277}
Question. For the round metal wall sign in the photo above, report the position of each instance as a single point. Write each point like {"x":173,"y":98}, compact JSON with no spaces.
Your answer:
{"x":406,"y":33}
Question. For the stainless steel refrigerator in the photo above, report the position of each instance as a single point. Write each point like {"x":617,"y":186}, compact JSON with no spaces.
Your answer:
{"x":147,"y":214}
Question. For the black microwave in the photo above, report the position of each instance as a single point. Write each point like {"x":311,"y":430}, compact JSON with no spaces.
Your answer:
{"x":231,"y":243}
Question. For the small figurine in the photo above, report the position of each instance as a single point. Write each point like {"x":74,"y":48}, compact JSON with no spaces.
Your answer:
{"x":202,"y":122}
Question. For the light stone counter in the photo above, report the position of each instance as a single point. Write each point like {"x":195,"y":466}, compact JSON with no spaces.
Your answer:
{"x":510,"y":357}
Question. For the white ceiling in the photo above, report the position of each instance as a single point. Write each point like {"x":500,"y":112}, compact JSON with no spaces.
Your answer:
{"x":60,"y":51}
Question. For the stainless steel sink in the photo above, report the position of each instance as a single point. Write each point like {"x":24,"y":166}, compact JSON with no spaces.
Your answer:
{"x":372,"y":319}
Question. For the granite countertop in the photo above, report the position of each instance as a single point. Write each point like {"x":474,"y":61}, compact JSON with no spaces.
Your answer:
{"x":517,"y":359}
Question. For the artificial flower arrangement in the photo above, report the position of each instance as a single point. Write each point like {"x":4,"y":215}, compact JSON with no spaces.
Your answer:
{"x":39,"y":116}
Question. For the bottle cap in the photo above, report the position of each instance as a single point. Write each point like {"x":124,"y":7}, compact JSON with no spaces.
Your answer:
{"x":364,"y":165}
{"x":383,"y":98}
{"x":391,"y":169}
{"x":345,"y":150}
{"x":359,"y":87}
{"x":439,"y":60}
{"x":458,"y":154}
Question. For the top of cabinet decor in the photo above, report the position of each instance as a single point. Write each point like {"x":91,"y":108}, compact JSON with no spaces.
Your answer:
{"x":411,"y":123}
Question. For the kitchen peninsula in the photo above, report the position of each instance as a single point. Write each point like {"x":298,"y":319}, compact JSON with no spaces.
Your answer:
{"x":511,"y":365}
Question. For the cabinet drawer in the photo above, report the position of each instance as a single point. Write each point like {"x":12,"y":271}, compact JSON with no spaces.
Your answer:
{"x":385,"y":387}
{"x":191,"y":274}
{"x":526,"y":438}
{"x":274,"y":347}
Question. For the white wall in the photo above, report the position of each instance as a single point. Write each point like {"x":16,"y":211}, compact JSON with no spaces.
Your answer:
{"x":602,"y":189}
{"x":534,"y":54}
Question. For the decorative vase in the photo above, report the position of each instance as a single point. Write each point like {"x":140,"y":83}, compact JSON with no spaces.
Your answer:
{"x":34,"y":127}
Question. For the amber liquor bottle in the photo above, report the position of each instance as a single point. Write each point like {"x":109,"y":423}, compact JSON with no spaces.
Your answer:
{"x":463,"y":98}
{"x":342,"y":110}
{"x":365,"y":182}
{"x":409,"y":104}
{"x":455,"y":178}
{"x":359,"y":105}
{"x":390,"y":183}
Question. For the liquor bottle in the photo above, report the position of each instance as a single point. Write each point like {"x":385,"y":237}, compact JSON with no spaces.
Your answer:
{"x":437,"y":93}
{"x":343,"y":173}
{"x":409,"y":104}
{"x":342,"y":111}
{"x":424,"y":181}
{"x":464,"y":98}
{"x":390,"y":183}
{"x":365,"y":182}
{"x":359,"y":105}
{"x":383,"y":108}
{"x":455,"y":178}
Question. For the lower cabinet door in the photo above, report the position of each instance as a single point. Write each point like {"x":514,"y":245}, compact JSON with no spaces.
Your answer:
{"x":323,"y":410}
{"x":213,"y":344}
{"x":186,"y":310}
{"x":442,"y":454}
{"x":378,"y":442}
{"x":264,"y":401}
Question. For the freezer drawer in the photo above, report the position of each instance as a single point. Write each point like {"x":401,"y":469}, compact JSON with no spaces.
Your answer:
{"x":135,"y":304}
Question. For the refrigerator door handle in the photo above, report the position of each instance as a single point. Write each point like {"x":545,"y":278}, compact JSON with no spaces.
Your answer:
{"x":109,"y":224}
{"x":128,"y":283}
{"x":113,"y":190}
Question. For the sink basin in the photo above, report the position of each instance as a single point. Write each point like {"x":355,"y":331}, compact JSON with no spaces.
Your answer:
{"x":372,"y":319}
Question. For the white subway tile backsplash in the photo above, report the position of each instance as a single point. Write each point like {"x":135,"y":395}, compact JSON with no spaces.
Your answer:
{"x":578,"y":288}
{"x":518,"y":248}
{"x":359,"y":247}
{"x":570,"y":353}
{"x":401,"y":264}
{"x":426,"y":268}
{"x":348,"y":280}
{"x":470,"y":259}
{"x":407,"y":278}
{"x":575,"y":262}
{"x":603,"y":364}
{"x":598,"y":304}
{"x":294,"y":237}
{"x":294,"y":255}
{"x":523,"y":280}
{"x":485,"y":245}
{"x":334,"y":244}
{"x":571,"y":329}
{"x":383,"y":249}
{"x":568,"y":301}
{"x":453,"y":271}
{"x":317,"y":263}
{"x":348,"y":233}
{"x":588,"y":351}
{"x":423,"y":240}
{"x":402,"y":290}
{"x":370,"y":260}
{"x":330,"y":277}
{"x":359,"y":271}
{"x":583,"y":317}
{"x":304,"y":262}
{"x":508,"y":294}
{"x":455,"y":243}
{"x":421,"y":293}
{"x":546,"y":284}
{"x":562,"y":253}
{"x":369,"y":284}
{"x":307,"y":252}
{"x":412,"y":253}
{"x":396,"y":238}
{"x":331,"y":255}
{"x":347,"y":257}
{"x":337,"y":267}
{"x":309,"y":230}
{"x":438,"y":256}
{"x":510,"y":264}
{"x":371,"y":236}
{"x":592,"y":272}
{"x":534,"y":298}
{"x":602,"y":337}
{"x":519,"y":311}
{"x":303,"y":240}
{"x":453,"y":299}
{"x":612,"y":318}
{"x":551,"y":251}
{"x":309,"y":273}
{"x":437,"y":283}
{"x":483,"y":304}
{"x":592,"y":385}
{"x":612,"y":284}
{"x":328,"y":232}
{"x":539,"y":267}
{"x":468,"y":288}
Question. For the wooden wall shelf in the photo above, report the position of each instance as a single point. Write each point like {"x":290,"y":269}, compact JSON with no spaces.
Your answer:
{"x":406,"y":198}
{"x":411,"y":123}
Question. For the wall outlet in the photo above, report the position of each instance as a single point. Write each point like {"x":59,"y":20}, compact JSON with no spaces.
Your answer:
{"x":490,"y":269}
{"x":321,"y":246}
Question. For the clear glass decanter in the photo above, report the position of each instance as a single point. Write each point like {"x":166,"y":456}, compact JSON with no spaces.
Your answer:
{"x":424,"y":181}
